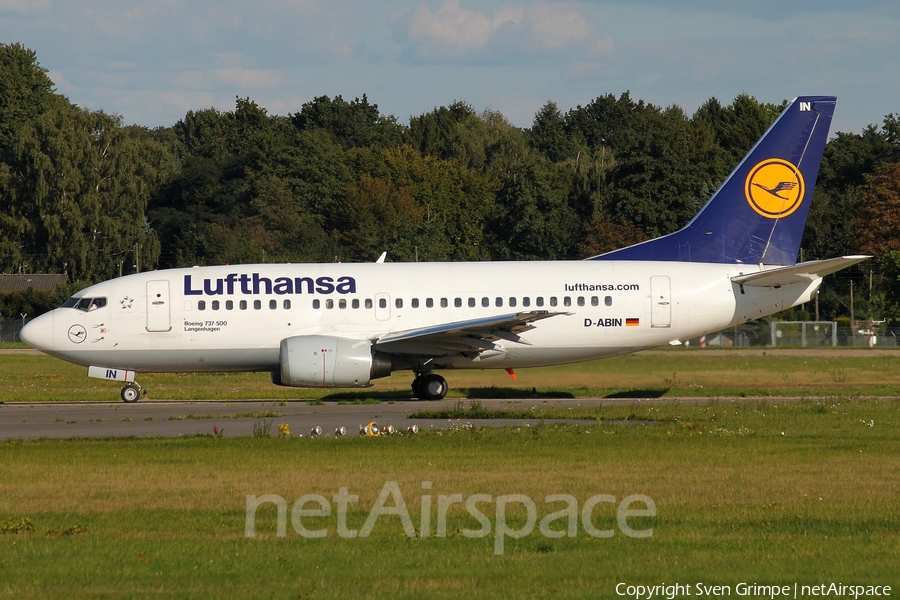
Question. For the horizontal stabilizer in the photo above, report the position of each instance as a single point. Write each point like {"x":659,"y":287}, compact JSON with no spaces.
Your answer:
{"x":802,"y":273}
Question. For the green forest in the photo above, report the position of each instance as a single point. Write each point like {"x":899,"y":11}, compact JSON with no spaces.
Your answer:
{"x":85,"y":194}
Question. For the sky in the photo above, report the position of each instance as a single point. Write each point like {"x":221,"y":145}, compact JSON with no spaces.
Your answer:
{"x":152,"y":61}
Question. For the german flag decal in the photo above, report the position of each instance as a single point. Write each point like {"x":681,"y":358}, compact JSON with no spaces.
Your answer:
{"x":632,"y":322}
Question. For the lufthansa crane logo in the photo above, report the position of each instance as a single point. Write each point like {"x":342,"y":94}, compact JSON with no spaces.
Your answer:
{"x":775,"y":188}
{"x":77,"y":334}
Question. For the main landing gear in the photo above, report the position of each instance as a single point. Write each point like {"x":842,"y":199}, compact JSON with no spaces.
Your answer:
{"x":429,"y":386}
{"x":131,"y":393}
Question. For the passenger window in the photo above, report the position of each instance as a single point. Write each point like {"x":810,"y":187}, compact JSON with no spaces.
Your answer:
{"x":229,"y":305}
{"x":512,"y":301}
{"x":457,"y":302}
{"x":243,"y":305}
{"x":342,"y":304}
{"x":414,"y":302}
{"x":526,"y":301}
{"x":201,"y":304}
{"x":429,"y":303}
{"x":552,"y":300}
{"x":286,"y":304}
{"x":368,"y":303}
{"x":317,"y":304}
{"x":215,"y":305}
{"x":608,"y":301}
{"x":382,"y":303}
{"x":471,"y":302}
{"x":444,"y":303}
{"x":498,"y":302}
{"x":257,"y":304}
{"x":398,"y":302}
{"x":329,"y":304}
{"x":539,"y":301}
{"x":567,"y":301}
{"x":355,"y":303}
{"x":485,"y":302}
{"x":595,"y":301}
{"x":580,"y":300}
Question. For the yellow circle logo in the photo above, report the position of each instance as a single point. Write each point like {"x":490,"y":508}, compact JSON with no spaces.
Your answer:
{"x":774,"y":188}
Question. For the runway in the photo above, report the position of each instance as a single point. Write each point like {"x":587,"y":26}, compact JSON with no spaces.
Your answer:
{"x":33,"y":420}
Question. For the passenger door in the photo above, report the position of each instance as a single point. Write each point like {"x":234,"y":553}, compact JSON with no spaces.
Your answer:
{"x":660,"y":302}
{"x":158,"y":314}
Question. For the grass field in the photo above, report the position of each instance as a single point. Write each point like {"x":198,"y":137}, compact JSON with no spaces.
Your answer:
{"x":669,"y":374}
{"x":765,"y":491}
{"x":761,"y":492}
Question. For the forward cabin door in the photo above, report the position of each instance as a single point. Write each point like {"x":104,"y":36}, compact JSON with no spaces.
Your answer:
{"x":158,"y":314}
{"x":660,"y":302}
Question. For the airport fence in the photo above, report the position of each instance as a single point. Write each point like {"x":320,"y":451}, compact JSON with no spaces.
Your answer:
{"x":805,"y":334}
{"x":10,"y":328}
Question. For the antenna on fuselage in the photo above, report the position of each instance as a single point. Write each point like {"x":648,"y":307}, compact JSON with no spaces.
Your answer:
{"x":382,"y":257}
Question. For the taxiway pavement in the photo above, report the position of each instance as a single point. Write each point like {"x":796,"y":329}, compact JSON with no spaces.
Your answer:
{"x":33,"y":420}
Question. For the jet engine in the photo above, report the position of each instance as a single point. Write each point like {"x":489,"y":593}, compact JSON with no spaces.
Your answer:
{"x":325,"y":361}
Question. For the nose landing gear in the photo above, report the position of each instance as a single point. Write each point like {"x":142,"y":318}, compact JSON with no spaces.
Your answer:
{"x":131,"y":393}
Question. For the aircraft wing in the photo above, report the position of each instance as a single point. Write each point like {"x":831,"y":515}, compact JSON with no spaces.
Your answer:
{"x":801,"y":273}
{"x":475,"y":335}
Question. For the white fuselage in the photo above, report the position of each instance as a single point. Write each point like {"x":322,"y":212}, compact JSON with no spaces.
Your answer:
{"x":233,"y":318}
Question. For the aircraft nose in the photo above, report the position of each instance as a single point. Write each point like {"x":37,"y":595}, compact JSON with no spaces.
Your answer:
{"x":38,"y":333}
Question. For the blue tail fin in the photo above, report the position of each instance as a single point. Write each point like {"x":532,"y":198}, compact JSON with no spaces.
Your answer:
{"x":758,"y":215}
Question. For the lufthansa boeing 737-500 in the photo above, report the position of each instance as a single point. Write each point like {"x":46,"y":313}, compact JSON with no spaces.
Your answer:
{"x":343,"y":325}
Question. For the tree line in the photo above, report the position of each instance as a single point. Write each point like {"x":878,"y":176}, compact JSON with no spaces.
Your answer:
{"x":85,"y":194}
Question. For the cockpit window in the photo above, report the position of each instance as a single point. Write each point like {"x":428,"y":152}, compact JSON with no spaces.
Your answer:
{"x":85,"y":304}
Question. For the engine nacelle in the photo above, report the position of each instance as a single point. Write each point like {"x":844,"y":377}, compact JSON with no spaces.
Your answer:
{"x":325,"y":361}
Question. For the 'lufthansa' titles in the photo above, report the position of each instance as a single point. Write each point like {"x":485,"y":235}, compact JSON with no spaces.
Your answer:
{"x":255,"y":284}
